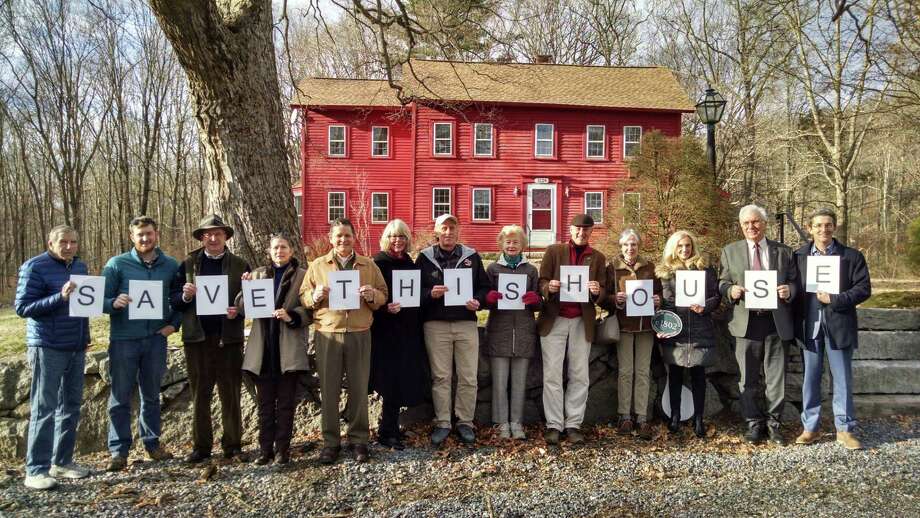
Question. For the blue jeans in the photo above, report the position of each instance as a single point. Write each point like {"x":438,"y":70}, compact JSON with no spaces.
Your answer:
{"x":134,"y":363}
{"x":840,"y":361}
{"x":57,"y":391}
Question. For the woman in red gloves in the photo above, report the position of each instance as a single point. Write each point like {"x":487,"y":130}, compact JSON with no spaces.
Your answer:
{"x":511,"y":333}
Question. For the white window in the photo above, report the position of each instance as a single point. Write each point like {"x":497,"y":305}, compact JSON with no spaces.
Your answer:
{"x":336,"y":140}
{"x":380,"y":207}
{"x":440,"y":201}
{"x":380,"y":141}
{"x":632,"y":136}
{"x":595,"y":141}
{"x":543,"y":140}
{"x":482,"y":204}
{"x":632,"y":207}
{"x":298,"y":207}
{"x":594,"y":205}
{"x":443,"y":138}
{"x":483,"y":139}
{"x":335,"y":205}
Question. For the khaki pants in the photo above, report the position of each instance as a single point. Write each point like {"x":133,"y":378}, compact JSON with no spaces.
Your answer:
{"x":566,"y":340}
{"x":350,"y":352}
{"x":450,"y":343}
{"x":634,"y":357}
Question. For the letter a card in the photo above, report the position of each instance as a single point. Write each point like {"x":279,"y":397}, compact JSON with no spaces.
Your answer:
{"x":146,"y":300}
{"x":574,"y":280}
{"x":760,"y":289}
{"x":211,"y":297}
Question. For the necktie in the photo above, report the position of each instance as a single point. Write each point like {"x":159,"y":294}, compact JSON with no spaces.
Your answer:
{"x":758,"y":265}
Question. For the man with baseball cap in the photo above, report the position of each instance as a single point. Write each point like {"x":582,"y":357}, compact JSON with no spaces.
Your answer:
{"x":213,"y":343}
{"x":451,"y":334}
{"x":567,"y":330}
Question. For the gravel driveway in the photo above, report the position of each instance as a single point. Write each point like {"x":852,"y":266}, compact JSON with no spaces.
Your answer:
{"x":609,"y":476}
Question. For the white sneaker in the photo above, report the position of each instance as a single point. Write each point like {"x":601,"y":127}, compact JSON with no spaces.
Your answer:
{"x":41,"y":481}
{"x":71,"y":470}
{"x":517,"y":431}
{"x":504,"y":431}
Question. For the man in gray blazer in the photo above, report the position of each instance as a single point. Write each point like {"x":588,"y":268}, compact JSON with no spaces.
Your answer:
{"x":761,"y":336}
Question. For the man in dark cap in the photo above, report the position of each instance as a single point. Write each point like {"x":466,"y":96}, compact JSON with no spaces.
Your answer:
{"x":213,"y":343}
{"x":567,"y":330}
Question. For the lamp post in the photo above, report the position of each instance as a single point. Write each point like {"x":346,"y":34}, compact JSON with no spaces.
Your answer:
{"x":710,"y":109}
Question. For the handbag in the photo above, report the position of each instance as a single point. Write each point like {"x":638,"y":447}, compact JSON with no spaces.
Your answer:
{"x":607,"y":330}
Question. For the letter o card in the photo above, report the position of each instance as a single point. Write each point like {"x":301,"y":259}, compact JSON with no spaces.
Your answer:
{"x":822,"y":273}
{"x":574,"y":284}
{"x":212,"y":295}
{"x":639,"y":301}
{"x":259,"y":298}
{"x":343,"y":290}
{"x":86,"y":299}
{"x":760,"y":289}
{"x":512,"y":287}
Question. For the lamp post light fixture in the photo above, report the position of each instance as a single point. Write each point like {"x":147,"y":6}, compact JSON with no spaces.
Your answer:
{"x":710,"y":109}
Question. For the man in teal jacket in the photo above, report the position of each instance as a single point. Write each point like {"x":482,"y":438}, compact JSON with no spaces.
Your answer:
{"x":137,"y":347}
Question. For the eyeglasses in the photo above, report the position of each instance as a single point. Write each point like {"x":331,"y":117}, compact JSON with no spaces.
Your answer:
{"x":394,"y":237}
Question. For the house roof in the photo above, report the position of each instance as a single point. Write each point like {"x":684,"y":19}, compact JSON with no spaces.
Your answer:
{"x":653,"y":88}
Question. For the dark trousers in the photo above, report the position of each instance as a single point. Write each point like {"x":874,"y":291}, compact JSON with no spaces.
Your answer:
{"x":209,"y":363}
{"x":769,"y":353}
{"x":389,"y":418}
{"x":697,"y":387}
{"x":277,"y":403}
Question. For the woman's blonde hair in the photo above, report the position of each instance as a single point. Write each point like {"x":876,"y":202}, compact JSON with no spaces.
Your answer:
{"x":507,"y":230}
{"x":395,"y":227}
{"x":670,"y":262}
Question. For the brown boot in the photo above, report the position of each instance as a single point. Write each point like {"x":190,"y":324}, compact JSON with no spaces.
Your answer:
{"x":849,"y":441}
{"x":807,"y":437}
{"x":645,"y":431}
{"x":625,"y":427}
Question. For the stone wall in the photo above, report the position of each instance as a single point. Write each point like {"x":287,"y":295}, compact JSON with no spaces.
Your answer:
{"x":886,"y":378}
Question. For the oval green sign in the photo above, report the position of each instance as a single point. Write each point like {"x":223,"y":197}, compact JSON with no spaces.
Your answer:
{"x":667,"y":323}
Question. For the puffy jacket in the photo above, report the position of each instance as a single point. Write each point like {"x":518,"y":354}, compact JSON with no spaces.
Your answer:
{"x":698,"y":329}
{"x":38,"y":298}
{"x":122,"y":269}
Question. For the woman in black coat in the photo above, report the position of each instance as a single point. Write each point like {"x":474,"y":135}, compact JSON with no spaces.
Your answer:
{"x":694,"y":347}
{"x":397,"y":354}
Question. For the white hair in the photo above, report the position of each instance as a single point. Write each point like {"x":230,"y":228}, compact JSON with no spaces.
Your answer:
{"x":753,"y":208}
{"x":626,"y":234}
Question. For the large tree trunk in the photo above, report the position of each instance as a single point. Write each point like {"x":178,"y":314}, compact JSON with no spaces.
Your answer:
{"x":226,"y":51}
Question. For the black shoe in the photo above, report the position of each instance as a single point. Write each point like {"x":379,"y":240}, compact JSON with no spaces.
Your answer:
{"x":466,"y":433}
{"x":197,"y":456}
{"x":776,"y":436}
{"x":755,"y":434}
{"x":359,"y":451}
{"x":551,"y":436}
{"x":439,"y":435}
{"x":263,"y":458}
{"x":282,"y":457}
{"x":391,"y":442}
{"x":674,"y":423}
{"x":328,"y":454}
{"x":231,"y":452}
{"x":698,"y":427}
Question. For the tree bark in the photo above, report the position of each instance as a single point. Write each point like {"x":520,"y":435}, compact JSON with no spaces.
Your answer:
{"x":226,"y":51}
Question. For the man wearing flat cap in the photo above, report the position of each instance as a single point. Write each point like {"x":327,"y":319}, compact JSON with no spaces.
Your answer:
{"x":213,"y":343}
{"x":567,"y":330}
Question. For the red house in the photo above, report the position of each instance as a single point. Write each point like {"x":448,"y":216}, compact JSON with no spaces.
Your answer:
{"x":493,"y":144}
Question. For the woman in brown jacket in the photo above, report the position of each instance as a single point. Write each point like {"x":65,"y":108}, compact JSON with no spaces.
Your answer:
{"x":634,"y":352}
{"x":276,"y":352}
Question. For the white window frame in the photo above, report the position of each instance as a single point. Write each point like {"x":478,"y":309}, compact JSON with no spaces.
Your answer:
{"x":385,"y":142}
{"x":638,"y":203}
{"x":599,"y":208}
{"x":384,"y":207}
{"x":588,"y":142}
{"x":434,"y":203}
{"x":298,"y":207}
{"x":329,"y":205}
{"x":344,"y":140}
{"x":537,"y":140}
{"x":638,"y":143}
{"x":435,"y":139}
{"x":473,"y":203}
{"x":477,"y":140}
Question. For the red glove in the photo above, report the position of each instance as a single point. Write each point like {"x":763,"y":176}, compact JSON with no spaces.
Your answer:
{"x":492,"y":297}
{"x":530,"y":298}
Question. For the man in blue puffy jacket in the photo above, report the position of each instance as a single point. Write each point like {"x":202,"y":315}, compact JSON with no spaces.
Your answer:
{"x":137,"y":347}
{"x":56,"y":350}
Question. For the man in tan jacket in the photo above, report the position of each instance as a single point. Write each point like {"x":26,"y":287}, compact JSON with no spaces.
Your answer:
{"x":343,"y":339}
{"x":567,"y":330}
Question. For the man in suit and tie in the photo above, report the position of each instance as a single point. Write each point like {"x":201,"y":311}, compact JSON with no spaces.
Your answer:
{"x":825,"y":325}
{"x":760,"y":335}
